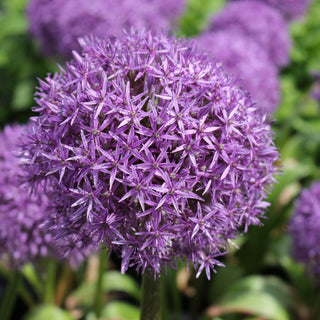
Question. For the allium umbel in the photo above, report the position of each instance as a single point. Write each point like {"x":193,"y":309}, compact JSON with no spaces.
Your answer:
{"x":152,"y":150}
{"x":261,"y":23}
{"x":21,"y":214}
{"x":244,"y":58}
{"x":304,"y":229}
{"x":57,"y":24}
{"x":290,"y":9}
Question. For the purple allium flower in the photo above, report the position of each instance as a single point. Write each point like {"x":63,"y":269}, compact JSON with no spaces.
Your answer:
{"x":290,"y":9}
{"x":59,"y":23}
{"x":260,"y":22}
{"x":21,"y":214}
{"x":150,"y":149}
{"x":304,"y":227}
{"x":242,"y":57}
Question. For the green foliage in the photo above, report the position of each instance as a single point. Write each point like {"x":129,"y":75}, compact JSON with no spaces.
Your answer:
{"x":20,"y":63}
{"x":120,"y":310}
{"x":112,"y":281}
{"x":117,"y":310}
{"x":261,"y":296}
{"x":196,"y":18}
{"x":46,"y":312}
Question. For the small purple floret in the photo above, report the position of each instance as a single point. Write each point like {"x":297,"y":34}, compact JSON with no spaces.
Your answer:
{"x":151,"y":150}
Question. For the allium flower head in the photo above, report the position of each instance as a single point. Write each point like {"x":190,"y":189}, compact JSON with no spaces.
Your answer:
{"x":152,"y":150}
{"x":58,"y":24}
{"x":243,"y":58}
{"x":290,"y":9}
{"x":304,"y":229}
{"x":260,"y":22}
{"x":21,"y":214}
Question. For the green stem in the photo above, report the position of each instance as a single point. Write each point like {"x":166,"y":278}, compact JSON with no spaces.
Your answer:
{"x":151,"y":298}
{"x":164,"y":297}
{"x":49,"y":290}
{"x":64,"y":284}
{"x":99,"y":287}
{"x":176,"y":296}
{"x":23,"y":293}
{"x":32,"y":277}
{"x":10,"y":296}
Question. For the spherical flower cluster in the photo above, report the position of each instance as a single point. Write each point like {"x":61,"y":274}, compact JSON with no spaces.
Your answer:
{"x":242,"y":57}
{"x":21,"y":214}
{"x":290,"y":9}
{"x":151,"y":150}
{"x":304,"y":229}
{"x":58,"y":24}
{"x":260,"y":22}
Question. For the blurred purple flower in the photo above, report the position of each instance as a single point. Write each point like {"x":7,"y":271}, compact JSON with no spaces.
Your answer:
{"x":304,"y":227}
{"x":243,"y":58}
{"x":150,"y":149}
{"x":261,"y":23}
{"x":58,"y":24}
{"x":21,"y":214}
{"x":290,"y":9}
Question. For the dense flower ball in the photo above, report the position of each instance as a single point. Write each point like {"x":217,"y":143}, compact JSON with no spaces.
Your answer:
{"x":152,"y":150}
{"x":21,"y":214}
{"x":58,"y":24}
{"x":260,"y":22}
{"x":304,"y":229}
{"x":242,"y":57}
{"x":290,"y":9}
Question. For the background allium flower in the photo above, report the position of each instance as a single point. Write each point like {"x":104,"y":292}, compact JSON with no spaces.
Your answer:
{"x":169,"y":8}
{"x":59,"y":23}
{"x":260,"y":22}
{"x":242,"y":57}
{"x":21,"y":215}
{"x":290,"y":9}
{"x":304,"y":229}
{"x":152,"y":150}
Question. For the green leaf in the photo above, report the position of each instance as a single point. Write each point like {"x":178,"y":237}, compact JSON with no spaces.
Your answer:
{"x":303,"y":283}
{"x":31,"y":275}
{"x":256,"y":295}
{"x":196,"y":17}
{"x":23,"y":94}
{"x":46,"y":312}
{"x":13,"y":24}
{"x":120,"y":310}
{"x":258,"y":303}
{"x":112,"y":281}
{"x":292,"y":172}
